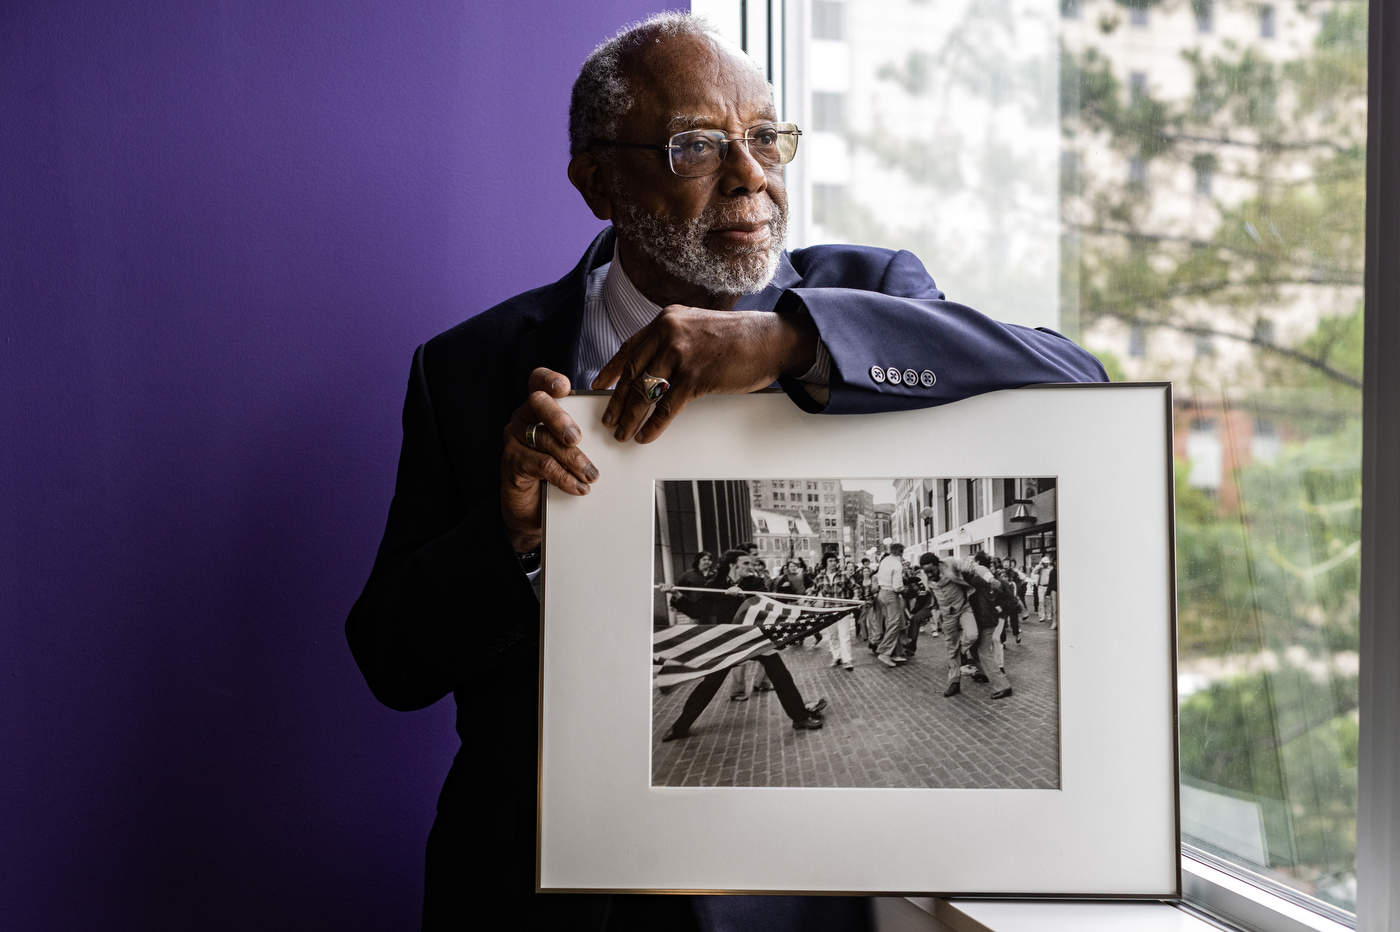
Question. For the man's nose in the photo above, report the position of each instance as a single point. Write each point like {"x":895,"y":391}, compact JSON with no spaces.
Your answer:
{"x":741,"y":173}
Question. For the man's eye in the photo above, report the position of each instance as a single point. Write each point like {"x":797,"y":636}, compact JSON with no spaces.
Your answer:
{"x":701,"y":146}
{"x":766,"y":137}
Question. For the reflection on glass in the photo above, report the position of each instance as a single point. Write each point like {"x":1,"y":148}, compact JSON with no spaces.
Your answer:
{"x":1179,"y":185}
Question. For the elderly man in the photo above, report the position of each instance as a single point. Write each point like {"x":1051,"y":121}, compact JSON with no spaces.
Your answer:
{"x":675,"y":140}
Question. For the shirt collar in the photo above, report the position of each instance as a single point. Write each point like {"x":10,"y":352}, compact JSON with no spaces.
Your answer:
{"x":628,"y":309}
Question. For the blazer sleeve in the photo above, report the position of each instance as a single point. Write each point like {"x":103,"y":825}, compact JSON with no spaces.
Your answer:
{"x":446,"y":593}
{"x":903,"y":322}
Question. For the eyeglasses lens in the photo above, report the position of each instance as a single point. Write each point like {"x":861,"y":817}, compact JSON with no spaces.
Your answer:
{"x":700,"y":152}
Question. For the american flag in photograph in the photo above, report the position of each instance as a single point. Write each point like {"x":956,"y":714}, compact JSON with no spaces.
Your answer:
{"x":761,"y":626}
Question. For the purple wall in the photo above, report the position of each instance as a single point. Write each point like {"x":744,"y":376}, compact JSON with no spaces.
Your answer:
{"x":223,"y":229}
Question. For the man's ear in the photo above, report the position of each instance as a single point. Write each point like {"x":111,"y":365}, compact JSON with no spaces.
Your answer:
{"x":593,"y":181}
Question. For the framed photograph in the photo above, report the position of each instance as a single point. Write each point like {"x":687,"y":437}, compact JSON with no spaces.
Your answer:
{"x":924,"y":652}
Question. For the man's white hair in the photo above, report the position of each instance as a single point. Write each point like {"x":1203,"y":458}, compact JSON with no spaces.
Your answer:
{"x":601,"y":94}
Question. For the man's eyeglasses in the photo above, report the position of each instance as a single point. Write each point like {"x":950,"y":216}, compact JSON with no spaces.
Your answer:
{"x":701,"y":151}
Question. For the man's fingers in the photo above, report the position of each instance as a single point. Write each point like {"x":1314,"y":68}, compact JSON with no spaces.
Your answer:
{"x":569,"y":458}
{"x":631,"y":362}
{"x":526,"y":468}
{"x":547,"y":380}
{"x":611,"y":372}
{"x":666,"y":411}
{"x":632,"y":406}
{"x":541,"y":408}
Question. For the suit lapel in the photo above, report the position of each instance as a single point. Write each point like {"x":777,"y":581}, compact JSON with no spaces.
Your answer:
{"x":551,"y":334}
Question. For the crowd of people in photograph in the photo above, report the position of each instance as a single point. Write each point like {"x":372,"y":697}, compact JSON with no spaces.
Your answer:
{"x":975,"y":604}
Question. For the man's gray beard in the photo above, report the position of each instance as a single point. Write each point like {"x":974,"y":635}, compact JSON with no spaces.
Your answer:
{"x":678,"y":246}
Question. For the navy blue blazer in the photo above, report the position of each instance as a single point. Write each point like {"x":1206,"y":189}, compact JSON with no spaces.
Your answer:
{"x":447,"y":609}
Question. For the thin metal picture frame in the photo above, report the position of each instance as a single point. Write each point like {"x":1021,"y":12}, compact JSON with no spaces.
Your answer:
{"x":1112,"y":829}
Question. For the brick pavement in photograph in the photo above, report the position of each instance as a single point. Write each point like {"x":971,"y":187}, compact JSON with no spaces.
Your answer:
{"x":884,"y":727}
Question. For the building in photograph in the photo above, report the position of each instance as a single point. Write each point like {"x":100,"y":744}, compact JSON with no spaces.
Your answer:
{"x":858,"y":531}
{"x":816,"y":501}
{"x":695,"y":515}
{"x":883,"y":526}
{"x":1011,"y":518}
{"x":784,"y":536}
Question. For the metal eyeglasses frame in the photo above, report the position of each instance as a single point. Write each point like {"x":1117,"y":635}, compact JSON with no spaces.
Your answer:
{"x":723,"y":140}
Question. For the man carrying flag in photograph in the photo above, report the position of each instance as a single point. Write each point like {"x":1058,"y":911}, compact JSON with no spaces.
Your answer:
{"x":758,"y":626}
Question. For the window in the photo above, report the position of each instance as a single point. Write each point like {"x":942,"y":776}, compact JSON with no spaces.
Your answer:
{"x":1226,"y":240}
{"x":828,"y":19}
{"x":828,"y":201}
{"x":1137,"y":341}
{"x":1137,"y":87}
{"x":1265,"y":446}
{"x":1137,"y":173}
{"x":1204,"y":453}
{"x":1069,"y":171}
{"x":1204,"y":167}
{"x":1205,"y":15}
{"x":828,"y":111}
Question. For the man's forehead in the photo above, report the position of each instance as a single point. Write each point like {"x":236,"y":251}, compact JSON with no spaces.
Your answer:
{"x":693,"y":82}
{"x":680,"y":122}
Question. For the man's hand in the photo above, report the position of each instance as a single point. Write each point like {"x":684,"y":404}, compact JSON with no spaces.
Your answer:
{"x":701,"y":352}
{"x":556,"y":459}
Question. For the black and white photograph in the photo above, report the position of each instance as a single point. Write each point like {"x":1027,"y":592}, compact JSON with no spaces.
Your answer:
{"x":895,"y":632}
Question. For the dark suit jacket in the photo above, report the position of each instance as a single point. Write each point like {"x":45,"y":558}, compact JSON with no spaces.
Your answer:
{"x":426,"y":626}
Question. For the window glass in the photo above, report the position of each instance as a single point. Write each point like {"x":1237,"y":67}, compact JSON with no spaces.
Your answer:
{"x":1179,"y":186}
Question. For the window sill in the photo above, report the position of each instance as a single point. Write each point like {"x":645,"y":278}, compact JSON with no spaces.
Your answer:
{"x":1214,"y":900}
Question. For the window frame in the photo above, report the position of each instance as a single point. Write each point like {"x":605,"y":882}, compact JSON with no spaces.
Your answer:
{"x":1230,"y":895}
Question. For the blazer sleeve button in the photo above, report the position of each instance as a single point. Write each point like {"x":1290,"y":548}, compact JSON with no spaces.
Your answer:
{"x":877,"y":374}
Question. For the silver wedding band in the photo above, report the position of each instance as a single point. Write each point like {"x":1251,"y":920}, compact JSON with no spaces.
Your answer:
{"x":530,"y":435}
{"x":653,"y":388}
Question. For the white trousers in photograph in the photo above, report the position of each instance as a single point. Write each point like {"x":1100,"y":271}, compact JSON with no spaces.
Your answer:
{"x":839,"y":637}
